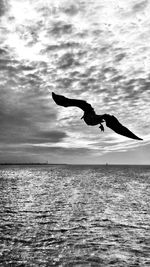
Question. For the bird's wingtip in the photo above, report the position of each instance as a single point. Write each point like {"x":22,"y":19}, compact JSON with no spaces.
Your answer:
{"x":138,"y":138}
{"x":53,"y":95}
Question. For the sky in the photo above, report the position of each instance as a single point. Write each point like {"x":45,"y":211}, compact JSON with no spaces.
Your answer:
{"x":87,"y":49}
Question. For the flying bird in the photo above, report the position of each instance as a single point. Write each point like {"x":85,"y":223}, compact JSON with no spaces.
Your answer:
{"x":92,"y":119}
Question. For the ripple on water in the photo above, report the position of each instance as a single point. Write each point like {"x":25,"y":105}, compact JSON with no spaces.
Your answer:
{"x":74,"y":216}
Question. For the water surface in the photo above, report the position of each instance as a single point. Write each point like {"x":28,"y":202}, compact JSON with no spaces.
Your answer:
{"x":75,"y":216}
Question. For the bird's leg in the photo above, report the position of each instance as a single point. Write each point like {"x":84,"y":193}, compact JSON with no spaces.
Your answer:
{"x":101,"y":127}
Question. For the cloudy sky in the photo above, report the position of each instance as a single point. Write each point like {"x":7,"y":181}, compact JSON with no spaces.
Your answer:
{"x":88,"y":49}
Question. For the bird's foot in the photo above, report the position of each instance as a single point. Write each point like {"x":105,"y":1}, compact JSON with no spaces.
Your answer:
{"x":101,"y":127}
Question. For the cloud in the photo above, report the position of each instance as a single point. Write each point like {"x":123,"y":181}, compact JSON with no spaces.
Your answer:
{"x":62,"y":46}
{"x":2,"y":51}
{"x":26,"y":114}
{"x":47,"y":137}
{"x":62,"y":152}
{"x":59,"y":28}
{"x":67,"y":61}
{"x":139,"y":7}
{"x":3,"y":7}
{"x":85,"y":50}
{"x":71,"y":8}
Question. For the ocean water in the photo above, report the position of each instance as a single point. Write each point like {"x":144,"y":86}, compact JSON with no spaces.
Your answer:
{"x":75,"y":216}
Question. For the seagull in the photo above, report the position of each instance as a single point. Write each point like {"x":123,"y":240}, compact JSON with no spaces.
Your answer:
{"x":92,"y":119}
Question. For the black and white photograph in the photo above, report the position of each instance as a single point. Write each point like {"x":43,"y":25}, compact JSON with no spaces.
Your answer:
{"x":74,"y":133}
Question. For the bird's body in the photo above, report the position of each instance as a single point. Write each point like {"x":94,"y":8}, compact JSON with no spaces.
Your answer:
{"x":92,"y":119}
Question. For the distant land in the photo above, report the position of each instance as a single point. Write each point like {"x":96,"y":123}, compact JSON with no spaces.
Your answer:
{"x":34,"y":163}
{"x":71,"y":164}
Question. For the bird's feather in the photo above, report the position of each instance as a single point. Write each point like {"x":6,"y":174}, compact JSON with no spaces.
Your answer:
{"x":116,"y":126}
{"x":68,"y":102}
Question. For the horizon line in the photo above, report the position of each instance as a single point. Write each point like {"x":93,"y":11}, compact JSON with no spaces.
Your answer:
{"x":82,"y":164}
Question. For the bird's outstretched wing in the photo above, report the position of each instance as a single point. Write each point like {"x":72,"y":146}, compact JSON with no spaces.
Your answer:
{"x":116,"y":126}
{"x":68,"y":102}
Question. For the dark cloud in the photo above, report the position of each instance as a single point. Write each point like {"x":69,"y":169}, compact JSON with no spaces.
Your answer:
{"x":47,"y":137}
{"x":65,"y":82}
{"x":105,"y":49}
{"x":61,"y":46}
{"x":19,"y":126}
{"x":6,"y":63}
{"x":111,"y":70}
{"x":25,"y":109}
{"x":71,"y":9}
{"x":3,"y":7}
{"x":135,"y":87}
{"x":117,"y":78}
{"x":2,"y":52}
{"x":59,"y":28}
{"x":68,"y":60}
{"x":90,"y":84}
{"x":120,"y":56}
{"x":140,"y":6}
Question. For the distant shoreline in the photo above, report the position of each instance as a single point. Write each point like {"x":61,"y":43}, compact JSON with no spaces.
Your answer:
{"x":3,"y":164}
{"x":68,"y":164}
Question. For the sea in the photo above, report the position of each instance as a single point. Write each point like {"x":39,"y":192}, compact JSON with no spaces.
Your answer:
{"x":74,"y":215}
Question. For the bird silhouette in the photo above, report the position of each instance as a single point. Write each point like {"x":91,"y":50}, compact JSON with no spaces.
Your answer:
{"x":92,"y":119}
